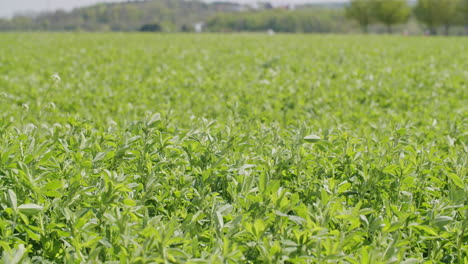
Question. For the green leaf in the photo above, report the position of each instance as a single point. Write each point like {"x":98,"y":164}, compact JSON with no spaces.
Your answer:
{"x":391,"y":169}
{"x":441,"y":221}
{"x":366,"y":211}
{"x":344,"y":187}
{"x":12,"y":200}
{"x":312,"y":139}
{"x":154,"y":119}
{"x":456,"y":180}
{"x":30,"y":209}
{"x":393,"y":227}
{"x":99,"y":156}
{"x":220,"y":220}
{"x":53,"y":185}
{"x":129,"y":202}
{"x":426,"y":229}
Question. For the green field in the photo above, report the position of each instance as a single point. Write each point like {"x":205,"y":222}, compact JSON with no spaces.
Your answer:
{"x":138,"y":148}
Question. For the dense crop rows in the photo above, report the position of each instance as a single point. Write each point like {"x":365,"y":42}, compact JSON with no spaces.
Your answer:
{"x":236,"y":148}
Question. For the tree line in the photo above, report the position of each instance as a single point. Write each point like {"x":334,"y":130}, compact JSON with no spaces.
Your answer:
{"x":307,"y":20}
{"x":433,"y":14}
{"x":180,"y":15}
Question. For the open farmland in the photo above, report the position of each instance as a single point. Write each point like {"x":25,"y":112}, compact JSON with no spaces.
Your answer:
{"x":233,"y":149}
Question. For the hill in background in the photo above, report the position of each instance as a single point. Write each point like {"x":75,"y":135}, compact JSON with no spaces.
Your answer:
{"x":185,"y":15}
{"x":175,"y":15}
{"x":128,"y":16}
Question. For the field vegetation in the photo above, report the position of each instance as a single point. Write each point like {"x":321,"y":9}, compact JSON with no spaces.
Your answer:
{"x":141,"y":148}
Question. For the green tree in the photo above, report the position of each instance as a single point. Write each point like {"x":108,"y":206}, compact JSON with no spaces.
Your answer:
{"x":448,"y":15}
{"x":391,"y":12}
{"x":463,"y":14}
{"x":362,"y":12}
{"x":435,"y":13}
{"x":5,"y":25}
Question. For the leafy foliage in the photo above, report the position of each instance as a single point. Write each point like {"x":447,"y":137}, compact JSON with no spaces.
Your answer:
{"x":391,"y":12}
{"x":150,"y":148}
{"x":431,"y":13}
{"x":362,"y":11}
{"x":435,"y":13}
{"x":306,"y":20}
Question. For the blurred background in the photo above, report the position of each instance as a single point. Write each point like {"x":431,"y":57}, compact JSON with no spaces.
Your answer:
{"x":407,"y":17}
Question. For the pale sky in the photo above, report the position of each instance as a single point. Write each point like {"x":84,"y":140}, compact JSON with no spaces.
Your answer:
{"x":10,"y":7}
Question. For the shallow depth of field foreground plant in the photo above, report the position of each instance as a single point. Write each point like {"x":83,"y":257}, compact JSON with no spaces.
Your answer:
{"x":233,"y":149}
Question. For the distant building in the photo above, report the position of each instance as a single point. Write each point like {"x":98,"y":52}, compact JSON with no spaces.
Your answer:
{"x":198,"y":27}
